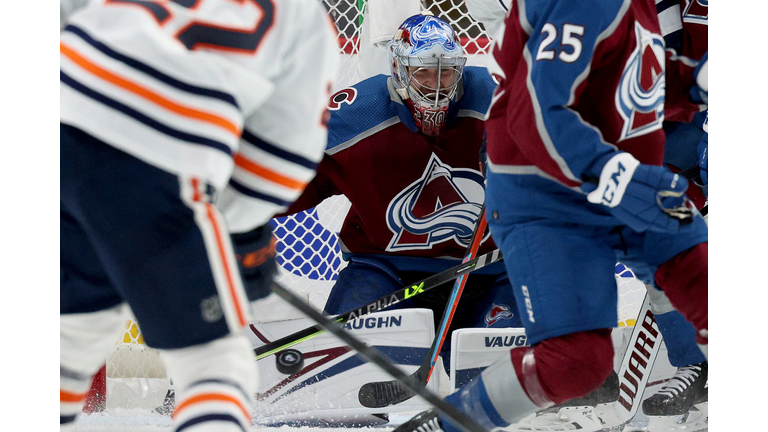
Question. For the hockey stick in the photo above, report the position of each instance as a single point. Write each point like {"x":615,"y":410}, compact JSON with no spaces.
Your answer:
{"x":380,"y":394}
{"x":381,"y":303}
{"x":375,"y":357}
{"x":637,"y":362}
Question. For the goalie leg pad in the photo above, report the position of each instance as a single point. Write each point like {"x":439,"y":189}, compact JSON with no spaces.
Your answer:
{"x":215,"y":384}
{"x":684,"y":278}
{"x":85,"y":340}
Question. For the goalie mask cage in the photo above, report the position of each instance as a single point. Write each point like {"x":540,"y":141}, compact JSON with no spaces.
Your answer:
{"x":308,"y":249}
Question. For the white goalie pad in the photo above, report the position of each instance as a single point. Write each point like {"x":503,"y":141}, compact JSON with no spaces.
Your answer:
{"x":325,"y":390}
{"x":474,"y":349}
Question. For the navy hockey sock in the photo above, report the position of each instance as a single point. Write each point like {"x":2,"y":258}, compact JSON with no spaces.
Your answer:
{"x":680,"y":338}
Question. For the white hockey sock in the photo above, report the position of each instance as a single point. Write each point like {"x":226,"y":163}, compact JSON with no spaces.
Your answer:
{"x":495,"y":398}
{"x":215,"y":385}
{"x":85,"y":340}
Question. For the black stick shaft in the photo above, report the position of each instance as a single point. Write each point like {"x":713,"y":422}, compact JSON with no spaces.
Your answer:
{"x":381,"y":303}
{"x":380,"y":394}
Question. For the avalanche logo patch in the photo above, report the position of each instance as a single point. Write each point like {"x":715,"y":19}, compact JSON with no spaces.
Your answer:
{"x":696,"y":11}
{"x":497,"y":313}
{"x":347,"y":95}
{"x":442,"y":205}
{"x":429,"y":35}
{"x":640,"y":94}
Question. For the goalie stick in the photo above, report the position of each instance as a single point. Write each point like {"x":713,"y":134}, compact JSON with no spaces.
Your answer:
{"x":375,"y":357}
{"x":636,"y":365}
{"x":381,"y":303}
{"x":381,"y":394}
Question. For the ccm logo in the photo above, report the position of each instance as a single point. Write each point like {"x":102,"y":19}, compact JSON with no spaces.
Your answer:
{"x":638,"y":361}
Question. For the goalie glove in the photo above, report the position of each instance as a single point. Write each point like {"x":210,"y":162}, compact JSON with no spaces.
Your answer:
{"x":256,"y":252}
{"x":644,"y":197}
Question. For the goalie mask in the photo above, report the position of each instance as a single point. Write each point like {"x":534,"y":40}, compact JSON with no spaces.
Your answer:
{"x":427,"y":62}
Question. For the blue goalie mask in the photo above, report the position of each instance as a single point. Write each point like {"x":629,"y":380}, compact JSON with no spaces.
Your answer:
{"x":427,"y":62}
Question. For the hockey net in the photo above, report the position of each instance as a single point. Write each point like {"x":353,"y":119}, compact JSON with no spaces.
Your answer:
{"x":308,"y":249}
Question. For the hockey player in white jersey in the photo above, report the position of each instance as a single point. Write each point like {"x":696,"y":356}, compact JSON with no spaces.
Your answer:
{"x":185,"y":126}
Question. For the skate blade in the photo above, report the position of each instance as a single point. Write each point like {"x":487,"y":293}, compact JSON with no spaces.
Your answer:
{"x":575,"y":418}
{"x":695,"y":420}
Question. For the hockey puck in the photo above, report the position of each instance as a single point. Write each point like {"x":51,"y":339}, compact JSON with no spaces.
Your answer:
{"x":289,"y":361}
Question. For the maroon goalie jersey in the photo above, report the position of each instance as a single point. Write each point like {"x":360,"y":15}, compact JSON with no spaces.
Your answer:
{"x":412,"y":195}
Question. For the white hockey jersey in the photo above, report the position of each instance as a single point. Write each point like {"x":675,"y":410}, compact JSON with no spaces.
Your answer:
{"x":231,"y":92}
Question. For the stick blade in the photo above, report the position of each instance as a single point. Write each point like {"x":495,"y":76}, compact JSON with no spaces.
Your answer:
{"x":383,"y":394}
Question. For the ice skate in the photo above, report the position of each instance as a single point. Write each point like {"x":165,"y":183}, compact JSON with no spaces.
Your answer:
{"x":682,"y":403}
{"x":685,"y":389}
{"x":427,"y":421}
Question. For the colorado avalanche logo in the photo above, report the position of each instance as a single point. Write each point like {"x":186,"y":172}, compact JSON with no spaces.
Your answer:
{"x":440,"y":206}
{"x":497,"y":313}
{"x":640,"y":95}
{"x":347,"y":96}
{"x":696,"y":11}
{"x":428,"y":35}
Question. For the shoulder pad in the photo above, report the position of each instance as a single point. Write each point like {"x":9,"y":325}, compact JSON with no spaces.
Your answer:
{"x":359,"y":109}
{"x":478,"y":91}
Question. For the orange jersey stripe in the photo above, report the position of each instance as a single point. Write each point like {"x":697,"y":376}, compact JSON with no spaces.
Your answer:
{"x":148,"y":94}
{"x":268,"y":174}
{"x":225,"y":263}
{"x":66,"y":396}
{"x":210,"y":397}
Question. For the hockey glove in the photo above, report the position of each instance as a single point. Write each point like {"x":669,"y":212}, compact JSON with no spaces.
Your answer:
{"x":256,"y":258}
{"x":644,"y":197}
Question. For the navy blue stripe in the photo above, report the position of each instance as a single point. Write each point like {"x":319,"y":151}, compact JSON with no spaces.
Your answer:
{"x":200,"y":91}
{"x":207,"y":418}
{"x":501,"y":2}
{"x":67,"y":419}
{"x":490,"y":409}
{"x":276,"y":151}
{"x":154,"y":124}
{"x":666,"y":4}
{"x":186,"y":3}
{"x":222,"y":382}
{"x":258,"y":195}
{"x":69,"y":373}
{"x":674,"y":41}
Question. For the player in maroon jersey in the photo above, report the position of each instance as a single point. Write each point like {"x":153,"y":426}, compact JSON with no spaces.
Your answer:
{"x":575,"y":183}
{"x":404,"y":150}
